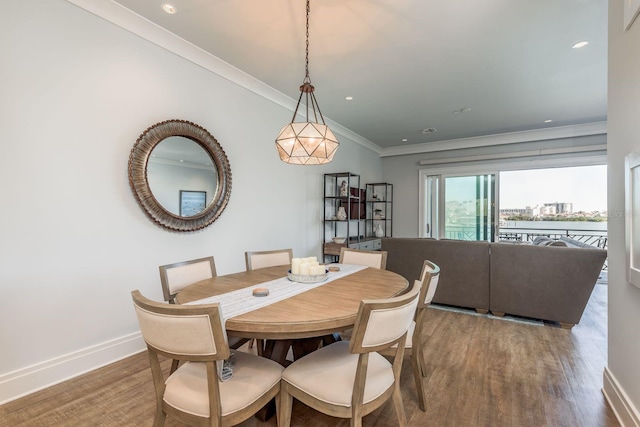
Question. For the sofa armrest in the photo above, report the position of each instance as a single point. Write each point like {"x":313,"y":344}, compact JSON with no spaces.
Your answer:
{"x":543,"y":282}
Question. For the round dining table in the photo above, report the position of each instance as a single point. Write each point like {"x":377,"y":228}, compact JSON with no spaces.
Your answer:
{"x":323,"y":310}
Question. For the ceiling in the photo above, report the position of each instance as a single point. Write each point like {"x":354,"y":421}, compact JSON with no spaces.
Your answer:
{"x":465,"y":68}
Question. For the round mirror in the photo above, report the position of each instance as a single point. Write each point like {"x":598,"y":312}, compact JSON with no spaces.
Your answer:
{"x":180,"y":175}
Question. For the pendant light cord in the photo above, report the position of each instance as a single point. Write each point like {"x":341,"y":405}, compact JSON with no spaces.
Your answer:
{"x":306,"y":60}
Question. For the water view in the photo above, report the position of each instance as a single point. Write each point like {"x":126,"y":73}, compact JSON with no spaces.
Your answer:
{"x":600,"y":226}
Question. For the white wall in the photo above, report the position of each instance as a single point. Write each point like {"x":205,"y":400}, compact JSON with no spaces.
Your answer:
{"x":622,"y":376}
{"x":77,"y":91}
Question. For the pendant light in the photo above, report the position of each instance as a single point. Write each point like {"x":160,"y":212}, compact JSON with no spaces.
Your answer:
{"x":310,"y":142}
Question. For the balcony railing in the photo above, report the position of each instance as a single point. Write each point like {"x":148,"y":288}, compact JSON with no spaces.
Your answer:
{"x":597,"y":239}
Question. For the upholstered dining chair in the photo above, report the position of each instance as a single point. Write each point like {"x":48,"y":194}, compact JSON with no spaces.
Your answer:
{"x":194,"y":394}
{"x":263,"y":259}
{"x":376,"y":259}
{"x":174,"y":277}
{"x":428,"y":282}
{"x":349,"y":379}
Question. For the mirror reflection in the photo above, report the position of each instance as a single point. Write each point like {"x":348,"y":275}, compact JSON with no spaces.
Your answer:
{"x":182,"y":176}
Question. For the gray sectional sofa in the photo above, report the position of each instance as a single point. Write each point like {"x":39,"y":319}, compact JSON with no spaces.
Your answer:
{"x":550,"y":283}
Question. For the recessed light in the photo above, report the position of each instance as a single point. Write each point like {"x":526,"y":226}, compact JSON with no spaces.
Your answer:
{"x":579,"y":45}
{"x":169,"y":8}
{"x":349,"y":98}
{"x":548,"y":121}
{"x":404,"y":139}
{"x":428,"y":130}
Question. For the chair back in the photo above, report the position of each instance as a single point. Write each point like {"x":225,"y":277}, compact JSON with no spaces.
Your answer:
{"x":384,"y":322}
{"x":375,"y":259}
{"x":429,"y":279}
{"x":182,"y":332}
{"x":174,"y":277}
{"x":263,"y":259}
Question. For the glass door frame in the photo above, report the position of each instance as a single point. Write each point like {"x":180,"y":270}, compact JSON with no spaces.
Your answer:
{"x":431,"y":210}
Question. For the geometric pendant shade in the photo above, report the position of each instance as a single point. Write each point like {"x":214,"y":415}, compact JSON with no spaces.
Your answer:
{"x":306,"y":143}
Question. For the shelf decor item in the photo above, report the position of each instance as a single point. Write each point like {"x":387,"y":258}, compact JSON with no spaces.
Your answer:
{"x":379,"y":231}
{"x":310,"y":142}
{"x":342,"y":214}
{"x":344,"y":190}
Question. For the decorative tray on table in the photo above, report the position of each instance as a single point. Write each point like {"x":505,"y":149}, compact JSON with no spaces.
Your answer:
{"x":315,"y":278}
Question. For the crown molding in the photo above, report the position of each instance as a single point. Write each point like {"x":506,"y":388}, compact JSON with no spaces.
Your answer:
{"x":559,"y":132}
{"x":598,"y":149}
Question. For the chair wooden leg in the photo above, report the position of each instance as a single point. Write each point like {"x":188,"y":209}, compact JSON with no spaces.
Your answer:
{"x":174,"y":366}
{"x":285,"y":406}
{"x":417,"y":376}
{"x":158,"y":421}
{"x":399,"y":407}
{"x":277,"y":402}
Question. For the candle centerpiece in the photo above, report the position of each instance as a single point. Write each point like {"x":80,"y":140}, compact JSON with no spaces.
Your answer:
{"x":307,"y":270}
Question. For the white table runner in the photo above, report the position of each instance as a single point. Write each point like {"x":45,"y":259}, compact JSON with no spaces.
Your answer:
{"x":242,"y":300}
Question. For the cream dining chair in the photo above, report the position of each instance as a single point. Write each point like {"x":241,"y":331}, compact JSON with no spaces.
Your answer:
{"x":263,"y":259}
{"x":194,"y":394}
{"x":428,"y":283}
{"x":175,"y":277}
{"x":375,"y":259}
{"x":350,"y":379}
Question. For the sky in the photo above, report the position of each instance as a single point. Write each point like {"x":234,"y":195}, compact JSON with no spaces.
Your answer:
{"x":584,"y":186}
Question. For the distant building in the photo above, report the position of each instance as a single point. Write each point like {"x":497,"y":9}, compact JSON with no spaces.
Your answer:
{"x":528,"y":211}
{"x":548,"y":209}
{"x":561,"y":208}
{"x":545,"y":210}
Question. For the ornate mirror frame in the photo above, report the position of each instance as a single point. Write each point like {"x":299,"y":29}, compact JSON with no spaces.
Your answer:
{"x":138,"y":161}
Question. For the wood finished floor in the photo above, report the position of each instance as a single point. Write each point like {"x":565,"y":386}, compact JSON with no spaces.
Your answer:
{"x":484,"y":371}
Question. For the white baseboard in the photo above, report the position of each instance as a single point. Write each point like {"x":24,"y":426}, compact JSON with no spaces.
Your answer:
{"x":24,"y":381}
{"x":623,"y":408}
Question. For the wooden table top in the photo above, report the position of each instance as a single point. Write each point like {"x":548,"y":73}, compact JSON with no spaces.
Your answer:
{"x":325,"y":309}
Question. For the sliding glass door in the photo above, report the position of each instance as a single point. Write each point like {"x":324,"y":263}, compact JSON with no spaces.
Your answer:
{"x":461,"y":207}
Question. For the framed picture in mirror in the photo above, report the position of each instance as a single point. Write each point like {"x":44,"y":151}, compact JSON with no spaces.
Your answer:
{"x":192,"y":202}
